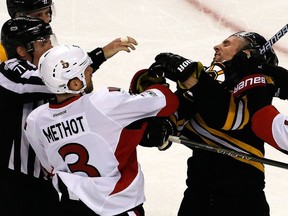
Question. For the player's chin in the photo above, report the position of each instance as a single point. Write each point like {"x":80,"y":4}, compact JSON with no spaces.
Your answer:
{"x":88,"y":89}
{"x":217,"y":58}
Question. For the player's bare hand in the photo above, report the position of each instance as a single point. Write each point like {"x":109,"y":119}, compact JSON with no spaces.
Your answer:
{"x":126,"y":43}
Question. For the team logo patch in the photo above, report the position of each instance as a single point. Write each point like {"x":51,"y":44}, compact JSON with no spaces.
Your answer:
{"x":64,"y":64}
{"x":111,"y":89}
{"x":151,"y":93}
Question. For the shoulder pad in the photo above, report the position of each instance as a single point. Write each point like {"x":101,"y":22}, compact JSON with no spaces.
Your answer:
{"x":18,"y":65}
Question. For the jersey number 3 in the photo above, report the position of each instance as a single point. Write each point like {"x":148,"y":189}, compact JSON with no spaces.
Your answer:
{"x":81,"y":165}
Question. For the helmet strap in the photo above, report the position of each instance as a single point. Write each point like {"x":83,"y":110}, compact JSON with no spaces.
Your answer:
{"x":30,"y":49}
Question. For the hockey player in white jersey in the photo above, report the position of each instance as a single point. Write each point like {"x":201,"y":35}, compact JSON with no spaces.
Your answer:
{"x":87,"y":140}
{"x":268,"y":123}
{"x":272,"y":126}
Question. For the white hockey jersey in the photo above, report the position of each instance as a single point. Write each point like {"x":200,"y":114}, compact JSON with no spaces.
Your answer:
{"x":88,"y":143}
{"x":271,"y":126}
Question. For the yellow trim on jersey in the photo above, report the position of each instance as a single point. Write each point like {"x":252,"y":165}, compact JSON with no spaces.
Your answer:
{"x":228,"y":140}
{"x":257,"y":165}
{"x":3,"y":56}
{"x":231,"y":114}
{"x":235,"y":112}
{"x":179,"y":124}
{"x":269,"y":80}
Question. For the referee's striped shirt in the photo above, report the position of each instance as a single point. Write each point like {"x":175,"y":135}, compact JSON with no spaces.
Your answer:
{"x":21,"y":91}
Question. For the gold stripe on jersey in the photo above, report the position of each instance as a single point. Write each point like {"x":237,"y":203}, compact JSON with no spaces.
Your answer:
{"x":258,"y":165}
{"x":231,"y":115}
{"x":269,"y":80}
{"x":233,"y":142}
{"x":218,"y":138}
{"x":238,"y":114}
{"x":179,"y":123}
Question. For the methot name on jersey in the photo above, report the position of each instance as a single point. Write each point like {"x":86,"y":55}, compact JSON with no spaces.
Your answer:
{"x":65,"y":128}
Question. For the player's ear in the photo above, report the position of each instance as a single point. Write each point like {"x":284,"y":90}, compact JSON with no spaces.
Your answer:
{"x":247,"y":52}
{"x":75,"y":84}
{"x":21,"y":51}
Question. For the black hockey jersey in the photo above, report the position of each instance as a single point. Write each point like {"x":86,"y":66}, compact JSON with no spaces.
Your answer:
{"x":219,"y":117}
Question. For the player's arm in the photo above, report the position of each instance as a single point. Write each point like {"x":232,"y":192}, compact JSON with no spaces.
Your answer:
{"x":279,"y":76}
{"x":205,"y":95}
{"x":157,"y":128}
{"x":100,"y":55}
{"x":271,"y":126}
{"x":20,"y":83}
{"x":97,"y":56}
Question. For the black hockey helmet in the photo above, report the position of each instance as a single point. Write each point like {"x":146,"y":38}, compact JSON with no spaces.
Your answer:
{"x":255,"y":41}
{"x":23,"y":31}
{"x":22,"y":7}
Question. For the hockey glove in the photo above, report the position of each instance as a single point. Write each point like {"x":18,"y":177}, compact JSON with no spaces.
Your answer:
{"x":280,"y":78}
{"x":240,"y":66}
{"x":142,"y":80}
{"x":157,"y":133}
{"x":175,"y":67}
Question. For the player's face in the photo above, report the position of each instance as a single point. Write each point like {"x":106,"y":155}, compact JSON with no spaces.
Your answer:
{"x":228,"y":48}
{"x":40,"y":47}
{"x":88,"y":77}
{"x":44,"y":14}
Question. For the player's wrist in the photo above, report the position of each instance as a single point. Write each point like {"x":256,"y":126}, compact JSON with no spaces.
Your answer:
{"x":97,"y":56}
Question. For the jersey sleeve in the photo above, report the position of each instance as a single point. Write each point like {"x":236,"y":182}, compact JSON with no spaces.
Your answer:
{"x":171,"y":100}
{"x":271,"y":126}
{"x":20,"y":82}
{"x":230,"y":110}
{"x":211,"y":100}
{"x":125,"y":108}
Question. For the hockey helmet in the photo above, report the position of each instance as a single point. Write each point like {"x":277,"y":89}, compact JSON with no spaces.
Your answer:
{"x":23,"y":31}
{"x":62,"y":63}
{"x":18,"y":8}
{"x":255,"y":41}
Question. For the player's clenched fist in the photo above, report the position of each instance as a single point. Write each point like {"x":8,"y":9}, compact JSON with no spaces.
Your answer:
{"x":175,"y":67}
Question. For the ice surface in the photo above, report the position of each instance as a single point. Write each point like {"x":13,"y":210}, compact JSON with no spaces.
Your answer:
{"x":190,"y":28}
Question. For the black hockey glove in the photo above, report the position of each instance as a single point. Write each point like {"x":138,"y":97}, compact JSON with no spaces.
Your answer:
{"x":157,"y":133}
{"x":175,"y":67}
{"x":280,"y":78}
{"x":240,"y":66}
{"x":142,"y":80}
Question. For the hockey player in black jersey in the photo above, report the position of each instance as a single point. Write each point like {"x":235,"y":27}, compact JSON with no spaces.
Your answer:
{"x":219,"y":114}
